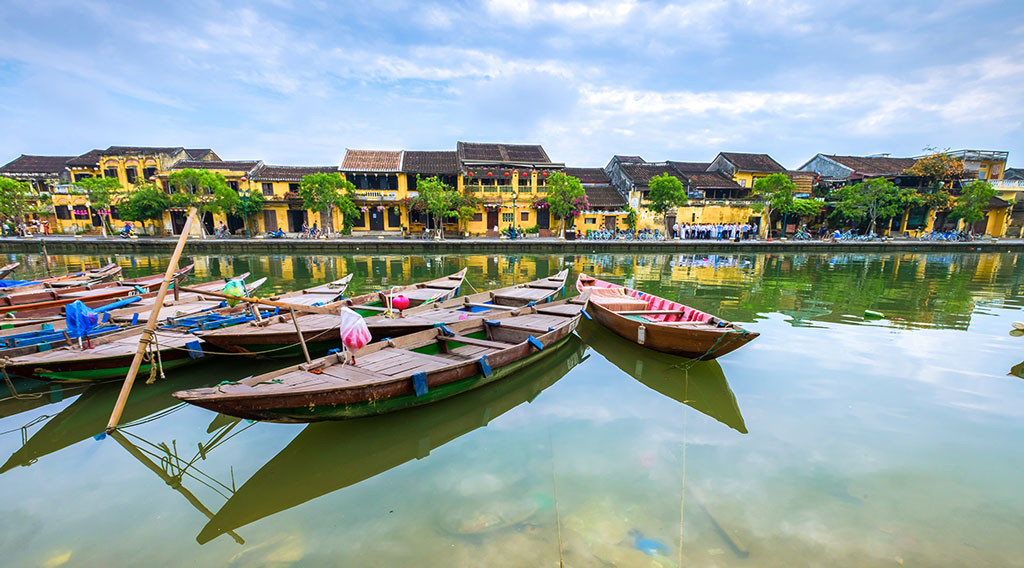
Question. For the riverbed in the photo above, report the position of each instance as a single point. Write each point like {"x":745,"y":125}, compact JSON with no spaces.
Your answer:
{"x":831,"y":440}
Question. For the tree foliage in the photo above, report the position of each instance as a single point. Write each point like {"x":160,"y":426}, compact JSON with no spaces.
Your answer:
{"x":871,"y":199}
{"x":565,"y":197}
{"x":775,"y":193}
{"x":100,"y":190}
{"x":440,"y":201}
{"x":937,"y":167}
{"x":17,"y":199}
{"x":667,"y":193}
{"x":970,"y":203}
{"x":146,"y":202}
{"x":324,"y":192}
{"x":207,"y":190}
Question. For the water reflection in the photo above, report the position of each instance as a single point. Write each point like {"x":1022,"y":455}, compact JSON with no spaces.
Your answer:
{"x":326,"y":457}
{"x":700,"y":385}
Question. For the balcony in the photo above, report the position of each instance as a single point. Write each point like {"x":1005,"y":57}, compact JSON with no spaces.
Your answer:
{"x":376,"y":195}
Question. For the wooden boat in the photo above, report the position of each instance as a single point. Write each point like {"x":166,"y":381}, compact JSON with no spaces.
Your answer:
{"x":277,"y":337}
{"x":701,"y":385}
{"x":400,"y":373}
{"x":50,"y":302}
{"x":7,"y":269}
{"x":480,"y":305}
{"x":85,"y":279}
{"x":24,"y":340}
{"x":660,"y":324}
{"x":330,"y":456}
{"x":110,"y":355}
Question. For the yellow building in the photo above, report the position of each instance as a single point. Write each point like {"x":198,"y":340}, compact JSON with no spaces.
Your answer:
{"x":381,"y":189}
{"x":235,"y":172}
{"x":45,"y":175}
{"x":283,"y":206}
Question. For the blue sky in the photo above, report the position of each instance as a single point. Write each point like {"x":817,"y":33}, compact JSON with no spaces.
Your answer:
{"x":297,"y":83}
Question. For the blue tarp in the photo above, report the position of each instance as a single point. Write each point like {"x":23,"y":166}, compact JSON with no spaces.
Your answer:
{"x":80,"y":319}
{"x":13,"y":283}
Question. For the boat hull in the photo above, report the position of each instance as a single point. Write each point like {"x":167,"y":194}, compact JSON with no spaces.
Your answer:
{"x":702,"y":344}
{"x":384,"y":398}
{"x":92,"y":370}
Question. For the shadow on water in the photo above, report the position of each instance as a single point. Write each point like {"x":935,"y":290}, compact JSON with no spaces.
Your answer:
{"x":329,"y":456}
{"x":700,"y":385}
{"x":87,"y":416}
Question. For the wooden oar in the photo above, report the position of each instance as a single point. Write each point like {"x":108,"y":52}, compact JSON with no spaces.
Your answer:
{"x":148,"y":332}
{"x":261,"y":301}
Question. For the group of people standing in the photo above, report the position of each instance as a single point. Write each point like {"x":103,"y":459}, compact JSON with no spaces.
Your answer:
{"x":711,"y":231}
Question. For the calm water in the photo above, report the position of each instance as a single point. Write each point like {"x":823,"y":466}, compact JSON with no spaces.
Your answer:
{"x":828,"y":441}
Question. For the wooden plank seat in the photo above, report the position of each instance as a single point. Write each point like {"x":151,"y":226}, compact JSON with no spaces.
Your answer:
{"x":523,"y":295}
{"x":395,"y":362}
{"x":423,"y":294}
{"x":561,"y":310}
{"x":475,"y":341}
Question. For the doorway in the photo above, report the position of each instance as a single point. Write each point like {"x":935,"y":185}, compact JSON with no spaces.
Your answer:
{"x":609,"y":222}
{"x":376,"y":220}
{"x":208,"y":223}
{"x":177,"y":222}
{"x":543,"y":219}
{"x":296,"y":219}
{"x":235,"y":223}
{"x":492,"y":220}
{"x":269,"y":220}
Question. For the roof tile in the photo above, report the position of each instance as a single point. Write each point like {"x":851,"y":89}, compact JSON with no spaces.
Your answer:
{"x":372,"y":161}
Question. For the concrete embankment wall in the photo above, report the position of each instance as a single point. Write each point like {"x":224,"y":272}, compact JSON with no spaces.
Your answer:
{"x":59,"y":245}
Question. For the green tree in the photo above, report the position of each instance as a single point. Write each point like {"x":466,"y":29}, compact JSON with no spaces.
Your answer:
{"x":870,"y":200}
{"x":437,"y":200}
{"x":206,"y":190}
{"x":323,"y":192}
{"x":667,"y":193}
{"x":16,"y":199}
{"x":250,"y":202}
{"x":101,"y":193}
{"x":565,"y":197}
{"x":972,"y":200}
{"x":146,"y":202}
{"x":775,"y":193}
{"x":631,"y":219}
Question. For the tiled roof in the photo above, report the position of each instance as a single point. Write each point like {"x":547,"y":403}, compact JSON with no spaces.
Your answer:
{"x":372,"y":161}
{"x":25,"y":164}
{"x":232,"y":166}
{"x":90,"y":159}
{"x":289,"y":173}
{"x":690,"y":166}
{"x":588,"y":175}
{"x":198,"y":153}
{"x":641,"y":174}
{"x":629,"y":159}
{"x":122,"y":150}
{"x":604,"y":196}
{"x":753,"y":162}
{"x":874,"y":166}
{"x":710,"y":180}
{"x":431,"y":162}
{"x":503,"y":153}
{"x":1014,"y":173}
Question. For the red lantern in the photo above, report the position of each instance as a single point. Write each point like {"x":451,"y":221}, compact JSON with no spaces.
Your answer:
{"x":545,"y":174}
{"x":152,"y":178}
{"x":470,"y":174}
{"x":524,"y":174}
{"x":506,"y":174}
{"x":400,"y":302}
{"x":489,"y":174}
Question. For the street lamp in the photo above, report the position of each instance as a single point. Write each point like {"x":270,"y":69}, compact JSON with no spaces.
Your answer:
{"x":515,"y":232}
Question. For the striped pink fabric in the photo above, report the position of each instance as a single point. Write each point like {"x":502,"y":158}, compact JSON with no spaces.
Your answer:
{"x":653,"y":302}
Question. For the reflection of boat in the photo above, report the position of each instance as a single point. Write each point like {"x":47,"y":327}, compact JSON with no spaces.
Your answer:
{"x":701,"y":385}
{"x":1017,"y":370}
{"x":8,"y":268}
{"x":326,"y":457}
{"x":412,"y":370}
{"x":660,"y":324}
{"x":88,"y":414}
{"x":28,"y":394}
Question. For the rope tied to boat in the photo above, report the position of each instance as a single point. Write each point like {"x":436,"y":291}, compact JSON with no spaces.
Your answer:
{"x":152,"y":342}
{"x":10,"y":384}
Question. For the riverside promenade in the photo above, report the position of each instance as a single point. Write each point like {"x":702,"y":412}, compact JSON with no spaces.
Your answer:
{"x":64,"y":244}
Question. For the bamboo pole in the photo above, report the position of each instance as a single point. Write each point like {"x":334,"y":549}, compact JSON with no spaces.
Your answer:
{"x":148,"y":332}
{"x":302,"y":340}
{"x":272,"y":303}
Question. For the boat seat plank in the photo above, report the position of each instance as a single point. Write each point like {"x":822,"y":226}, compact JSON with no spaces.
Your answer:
{"x":424,"y":294}
{"x":561,"y":310}
{"x":478,"y":342}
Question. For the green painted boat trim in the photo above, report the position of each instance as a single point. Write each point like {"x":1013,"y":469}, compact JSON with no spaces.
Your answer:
{"x":94,"y":375}
{"x":435,"y":394}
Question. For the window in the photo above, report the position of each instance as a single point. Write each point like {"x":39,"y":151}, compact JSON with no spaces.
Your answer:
{"x":110,"y":173}
{"x":507,"y":217}
{"x":293,"y":187}
{"x":81,"y":212}
{"x":166,"y":185}
{"x":114,"y":214}
{"x":131,"y":174}
{"x":590,"y":221}
{"x":478,"y":217}
{"x":233,"y":185}
{"x":994,"y":174}
{"x":268,"y":189}
{"x":524,"y":216}
{"x":80,"y":177}
{"x":148,"y":172}
{"x":62,"y":212}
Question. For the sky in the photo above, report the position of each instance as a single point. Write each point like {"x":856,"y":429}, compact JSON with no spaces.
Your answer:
{"x":297,"y":83}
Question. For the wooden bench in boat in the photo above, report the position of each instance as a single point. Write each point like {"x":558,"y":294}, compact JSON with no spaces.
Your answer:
{"x":475,"y":341}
